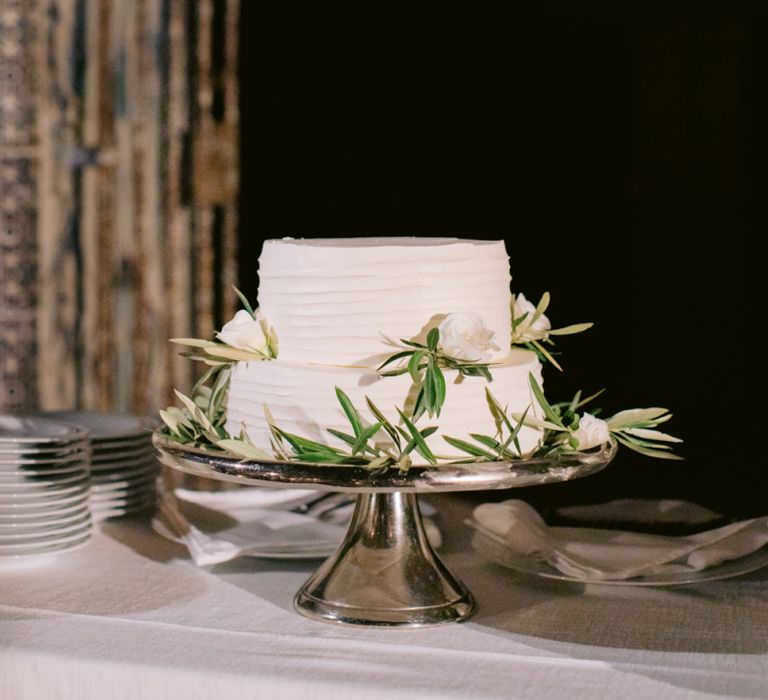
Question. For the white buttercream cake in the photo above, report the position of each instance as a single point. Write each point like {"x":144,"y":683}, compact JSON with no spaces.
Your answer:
{"x":339,"y":306}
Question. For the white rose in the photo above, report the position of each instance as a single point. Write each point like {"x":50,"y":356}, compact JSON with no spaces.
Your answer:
{"x":466,"y":337}
{"x":245,"y":333}
{"x":527,"y":330}
{"x":591,"y":432}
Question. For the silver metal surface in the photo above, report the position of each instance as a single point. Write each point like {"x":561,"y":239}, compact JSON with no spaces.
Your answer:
{"x":497,"y":549}
{"x":385,"y":572}
{"x":475,"y":476}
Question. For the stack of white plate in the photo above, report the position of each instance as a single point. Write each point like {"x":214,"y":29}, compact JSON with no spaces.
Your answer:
{"x":44,"y":485}
{"x":124,"y":465}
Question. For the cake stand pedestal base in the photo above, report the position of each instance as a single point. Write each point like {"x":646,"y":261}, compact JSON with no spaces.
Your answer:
{"x":385,"y":572}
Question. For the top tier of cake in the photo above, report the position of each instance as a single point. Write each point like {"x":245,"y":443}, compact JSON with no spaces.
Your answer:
{"x":336,"y":301}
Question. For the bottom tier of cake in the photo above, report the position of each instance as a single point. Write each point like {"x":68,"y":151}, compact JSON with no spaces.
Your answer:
{"x":302,"y":400}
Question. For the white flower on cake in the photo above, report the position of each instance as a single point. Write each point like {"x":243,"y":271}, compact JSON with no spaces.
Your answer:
{"x":466,"y":337}
{"x":591,"y":432}
{"x":527,"y":331}
{"x":244,"y":332}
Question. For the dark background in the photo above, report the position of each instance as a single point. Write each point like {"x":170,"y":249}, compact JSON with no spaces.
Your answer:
{"x":618,"y":160}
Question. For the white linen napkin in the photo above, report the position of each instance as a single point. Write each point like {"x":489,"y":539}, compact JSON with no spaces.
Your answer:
{"x":220,"y":526}
{"x":247,"y":497}
{"x":604,"y":555}
{"x":229,"y":524}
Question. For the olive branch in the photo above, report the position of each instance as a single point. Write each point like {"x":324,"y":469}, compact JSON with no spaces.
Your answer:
{"x":536,"y":340}
{"x":425,"y":364}
{"x":634,"y":429}
{"x":362,"y":447}
{"x":197,"y":425}
{"x":382,"y":444}
{"x":215,"y":353}
{"x":200,"y":421}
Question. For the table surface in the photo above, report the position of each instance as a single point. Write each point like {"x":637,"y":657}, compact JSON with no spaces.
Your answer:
{"x":129,"y":616}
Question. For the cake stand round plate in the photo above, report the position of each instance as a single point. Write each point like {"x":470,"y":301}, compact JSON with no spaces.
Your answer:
{"x":385,"y":572}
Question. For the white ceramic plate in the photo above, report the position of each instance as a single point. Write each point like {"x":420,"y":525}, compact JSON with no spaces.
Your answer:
{"x":319,"y":554}
{"x":117,"y":483}
{"x":294,"y":550}
{"x":107,"y":426}
{"x":26,"y":484}
{"x":74,"y":458}
{"x":42,"y":515}
{"x":35,"y":536}
{"x":140,"y":461}
{"x":125,"y":499}
{"x":43,"y":504}
{"x":123,"y":477}
{"x":105,"y":448}
{"x":140,"y":472}
{"x":121,"y":488}
{"x":117,"y":457}
{"x":122,"y":504}
{"x":46,"y":494}
{"x":15,"y":451}
{"x":9,"y":525}
{"x":32,"y":430}
{"x":100,"y":516}
{"x":489,"y":546}
{"x":35,"y":548}
{"x":33,"y":473}
{"x":16,"y":562}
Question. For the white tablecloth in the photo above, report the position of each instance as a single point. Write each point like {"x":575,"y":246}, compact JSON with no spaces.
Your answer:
{"x":129,"y":617}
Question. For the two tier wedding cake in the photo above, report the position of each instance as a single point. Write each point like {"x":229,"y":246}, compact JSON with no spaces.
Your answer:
{"x":338,"y":308}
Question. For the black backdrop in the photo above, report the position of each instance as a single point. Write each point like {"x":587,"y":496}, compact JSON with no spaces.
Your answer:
{"x":617,"y":159}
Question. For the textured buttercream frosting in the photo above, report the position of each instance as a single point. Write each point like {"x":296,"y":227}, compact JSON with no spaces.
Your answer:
{"x":337,"y":305}
{"x":336,"y":301}
{"x":302,"y":400}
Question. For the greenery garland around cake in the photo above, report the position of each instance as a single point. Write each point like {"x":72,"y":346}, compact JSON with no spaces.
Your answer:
{"x":460,"y":342}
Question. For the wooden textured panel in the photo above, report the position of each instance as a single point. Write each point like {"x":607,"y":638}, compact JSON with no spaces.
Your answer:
{"x":204,"y":139}
{"x":18,"y":220}
{"x":178,"y":218}
{"x":125,"y":275}
{"x":216,"y":166}
{"x":96,"y":219}
{"x":137,"y":187}
{"x":152,"y":327}
{"x":59,"y":312}
{"x":229,"y":81}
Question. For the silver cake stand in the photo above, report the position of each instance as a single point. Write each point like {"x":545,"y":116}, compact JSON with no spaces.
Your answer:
{"x":385,"y":572}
